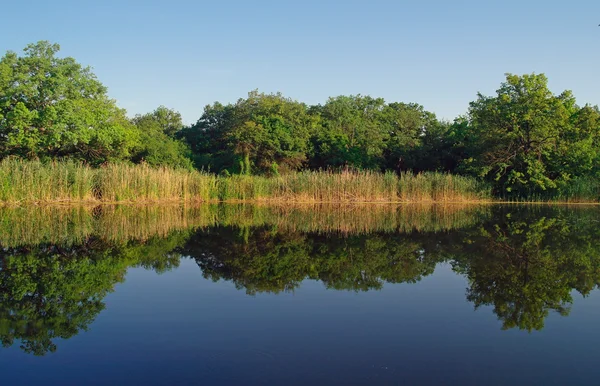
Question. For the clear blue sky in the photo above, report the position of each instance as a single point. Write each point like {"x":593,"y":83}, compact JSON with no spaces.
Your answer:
{"x":186,"y":54}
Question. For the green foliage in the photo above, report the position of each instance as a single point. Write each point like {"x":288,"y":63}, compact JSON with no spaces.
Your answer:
{"x":158,"y":145}
{"x":251,"y":135}
{"x":163,"y":119}
{"x":443,"y":146}
{"x":367,"y":133}
{"x":413,"y":135}
{"x":351,"y":134}
{"x":53,"y":107}
{"x":528,"y":140}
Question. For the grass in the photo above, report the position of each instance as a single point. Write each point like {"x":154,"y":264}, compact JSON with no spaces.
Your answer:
{"x":30,"y":181}
{"x":71,"y":182}
{"x":581,"y":190}
{"x":123,"y":182}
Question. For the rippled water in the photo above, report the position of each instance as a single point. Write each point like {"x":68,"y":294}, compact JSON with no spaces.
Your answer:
{"x":295,"y":295}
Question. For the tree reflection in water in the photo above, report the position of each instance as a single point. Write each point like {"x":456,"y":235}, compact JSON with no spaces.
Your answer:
{"x":524,"y":262}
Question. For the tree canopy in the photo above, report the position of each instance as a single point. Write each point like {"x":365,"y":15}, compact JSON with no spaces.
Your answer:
{"x":158,"y":146}
{"x":54,"y":107}
{"x":528,"y":140}
{"x":262,"y":133}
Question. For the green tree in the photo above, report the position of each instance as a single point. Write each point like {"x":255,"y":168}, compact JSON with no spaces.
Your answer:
{"x":158,"y":145}
{"x":412,"y":137}
{"x":525,"y":137}
{"x":53,"y":107}
{"x":163,"y":119}
{"x":263,"y":133}
{"x":350,"y":134}
{"x":582,"y":156}
{"x":368,"y":133}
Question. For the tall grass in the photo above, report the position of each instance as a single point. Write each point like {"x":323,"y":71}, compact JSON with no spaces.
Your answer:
{"x":353,"y":186}
{"x":122,"y":182}
{"x":33,"y":181}
{"x":28,"y":181}
{"x":579,"y":190}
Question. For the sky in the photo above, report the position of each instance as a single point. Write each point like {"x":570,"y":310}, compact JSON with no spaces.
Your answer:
{"x":440,"y":54}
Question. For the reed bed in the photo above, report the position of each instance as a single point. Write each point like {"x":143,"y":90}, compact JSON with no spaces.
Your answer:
{"x":68,"y":181}
{"x":580,"y":190}
{"x":354,"y":186}
{"x":30,"y":181}
{"x":123,"y":182}
{"x":72,"y":182}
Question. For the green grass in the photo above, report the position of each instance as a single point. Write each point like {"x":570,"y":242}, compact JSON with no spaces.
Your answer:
{"x":123,"y":182}
{"x":37,"y":182}
{"x":582,"y":190}
{"x":29,"y":181}
{"x":579,"y":190}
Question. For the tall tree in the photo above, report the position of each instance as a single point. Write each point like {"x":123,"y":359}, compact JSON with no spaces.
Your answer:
{"x":412,"y":134}
{"x":158,"y":146}
{"x":351,"y":133}
{"x":262,"y":133}
{"x":54,"y":107}
{"x":163,"y":119}
{"x":525,"y":139}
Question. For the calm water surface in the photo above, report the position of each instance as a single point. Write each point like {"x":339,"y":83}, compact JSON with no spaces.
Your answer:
{"x":232,"y":295}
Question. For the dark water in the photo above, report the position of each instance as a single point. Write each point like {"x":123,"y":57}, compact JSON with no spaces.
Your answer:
{"x":345,"y":295}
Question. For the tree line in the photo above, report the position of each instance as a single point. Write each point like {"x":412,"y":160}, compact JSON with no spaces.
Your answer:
{"x":525,"y":140}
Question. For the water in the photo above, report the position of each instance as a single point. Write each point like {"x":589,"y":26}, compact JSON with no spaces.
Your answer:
{"x":496,"y":295}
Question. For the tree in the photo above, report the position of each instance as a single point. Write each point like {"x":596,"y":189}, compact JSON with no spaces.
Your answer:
{"x":413,"y":137}
{"x":368,"y":133}
{"x":264,"y":133}
{"x":166,"y":120}
{"x":53,"y":107}
{"x":350,"y":133}
{"x":523,"y":134}
{"x":158,"y":146}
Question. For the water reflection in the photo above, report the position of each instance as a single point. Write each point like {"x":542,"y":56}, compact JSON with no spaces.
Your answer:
{"x":526,"y":263}
{"x":51,"y":291}
{"x":58,"y":264}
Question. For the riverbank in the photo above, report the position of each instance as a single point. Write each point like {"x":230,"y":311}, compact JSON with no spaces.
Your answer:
{"x":68,"y":182}
{"x":71,"y":182}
